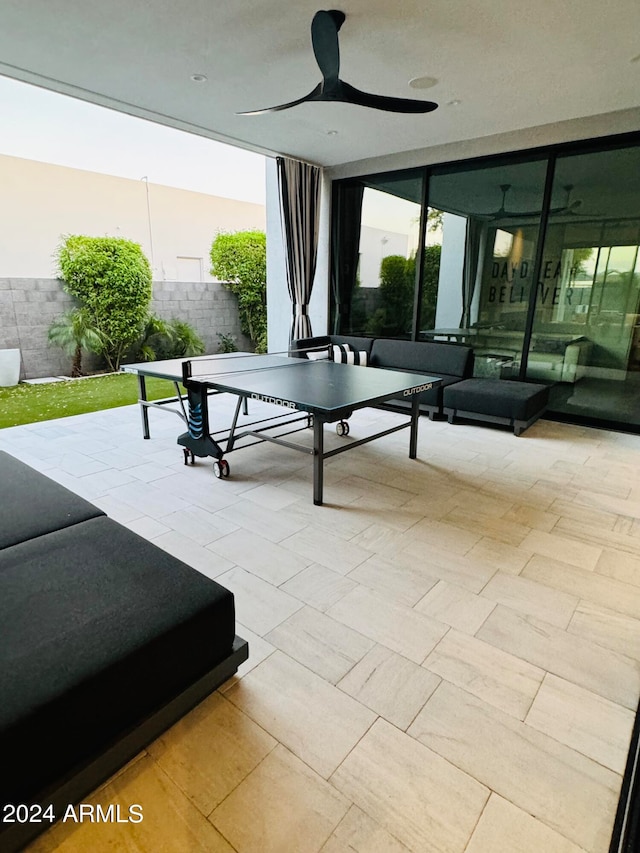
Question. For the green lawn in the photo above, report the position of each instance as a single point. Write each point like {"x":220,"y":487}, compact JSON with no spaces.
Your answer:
{"x":26,"y":404}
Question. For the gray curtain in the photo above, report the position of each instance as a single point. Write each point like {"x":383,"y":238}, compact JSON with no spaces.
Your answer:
{"x":475,"y":228}
{"x":345,"y":245}
{"x":299,"y":189}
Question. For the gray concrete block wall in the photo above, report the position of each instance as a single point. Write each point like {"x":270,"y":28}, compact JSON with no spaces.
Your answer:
{"x":208,"y":306}
{"x":29,"y":306}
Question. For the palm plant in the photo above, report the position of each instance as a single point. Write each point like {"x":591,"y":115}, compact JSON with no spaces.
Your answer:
{"x":74,"y":332}
{"x":187,"y":341}
{"x":160,"y":339}
{"x":155,"y":335}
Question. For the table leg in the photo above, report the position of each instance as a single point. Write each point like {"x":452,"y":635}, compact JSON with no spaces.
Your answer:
{"x":144,"y":411}
{"x":413,"y":438}
{"x":318,"y":459}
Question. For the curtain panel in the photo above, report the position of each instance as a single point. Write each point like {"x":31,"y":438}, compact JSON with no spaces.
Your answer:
{"x":345,"y":242}
{"x":299,"y":191}
{"x":476,"y":230}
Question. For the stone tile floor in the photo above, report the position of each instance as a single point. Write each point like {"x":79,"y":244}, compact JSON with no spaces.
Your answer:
{"x":443,"y":658}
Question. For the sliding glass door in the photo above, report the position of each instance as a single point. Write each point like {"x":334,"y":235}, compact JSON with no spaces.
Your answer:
{"x":586,"y":338}
{"x":533,"y":260}
{"x":489,"y":220}
{"x":374,"y":271}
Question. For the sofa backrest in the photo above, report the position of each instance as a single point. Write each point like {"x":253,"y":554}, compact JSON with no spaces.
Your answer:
{"x":300,"y":347}
{"x":424,"y":356}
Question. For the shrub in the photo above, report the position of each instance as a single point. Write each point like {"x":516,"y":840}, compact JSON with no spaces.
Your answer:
{"x":393,"y":317}
{"x":239,"y":261}
{"x":186,"y":341}
{"x":227,"y":343}
{"x":111,"y":277}
{"x":162,"y":339}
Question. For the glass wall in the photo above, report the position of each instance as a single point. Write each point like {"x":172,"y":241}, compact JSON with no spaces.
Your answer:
{"x":374,"y":282}
{"x":489,"y":221}
{"x":586,"y":339}
{"x":533,"y":260}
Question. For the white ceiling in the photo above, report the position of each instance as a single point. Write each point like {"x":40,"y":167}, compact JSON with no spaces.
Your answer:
{"x":512,"y":65}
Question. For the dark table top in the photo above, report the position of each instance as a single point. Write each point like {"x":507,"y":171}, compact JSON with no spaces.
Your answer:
{"x":321,"y":387}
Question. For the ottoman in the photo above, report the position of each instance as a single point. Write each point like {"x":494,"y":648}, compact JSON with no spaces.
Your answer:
{"x":501,"y":401}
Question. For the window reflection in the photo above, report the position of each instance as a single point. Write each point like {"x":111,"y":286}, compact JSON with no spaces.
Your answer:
{"x":489,"y":231}
{"x":593,"y":245}
{"x":374,"y":275}
{"x":389,"y":235}
{"x":565,"y":312}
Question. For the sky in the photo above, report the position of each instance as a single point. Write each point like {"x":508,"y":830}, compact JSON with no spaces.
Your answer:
{"x":41,"y":125}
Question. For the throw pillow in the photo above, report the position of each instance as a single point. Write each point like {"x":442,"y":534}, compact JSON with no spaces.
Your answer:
{"x":344,"y":354}
{"x":318,"y":355}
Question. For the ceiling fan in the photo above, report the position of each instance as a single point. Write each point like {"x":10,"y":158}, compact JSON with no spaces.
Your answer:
{"x":502,"y":213}
{"x":324,"y":40}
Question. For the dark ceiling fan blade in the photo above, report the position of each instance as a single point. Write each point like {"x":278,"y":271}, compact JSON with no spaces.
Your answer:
{"x":383,"y":102}
{"x":567,"y":208}
{"x":516,"y":214}
{"x":324,"y":40}
{"x":312,"y":96}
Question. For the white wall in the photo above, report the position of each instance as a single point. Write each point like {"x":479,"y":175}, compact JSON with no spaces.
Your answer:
{"x":278,"y":301}
{"x":40,"y":202}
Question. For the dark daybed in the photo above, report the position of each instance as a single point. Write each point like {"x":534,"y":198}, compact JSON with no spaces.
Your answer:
{"x":450,"y":362}
{"x":460,"y":394}
{"x":106,"y":641}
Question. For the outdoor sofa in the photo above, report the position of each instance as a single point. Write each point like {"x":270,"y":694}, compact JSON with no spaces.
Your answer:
{"x":450,"y":362}
{"x":106,"y":641}
{"x":460,"y":395}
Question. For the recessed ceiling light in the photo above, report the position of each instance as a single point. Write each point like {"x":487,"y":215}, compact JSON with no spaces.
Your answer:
{"x":423,"y":82}
{"x":454,"y":103}
{"x":199,"y":78}
{"x":332,"y":133}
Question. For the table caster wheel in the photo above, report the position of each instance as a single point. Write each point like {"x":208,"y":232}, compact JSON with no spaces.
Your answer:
{"x":221,"y":468}
{"x":342,"y":428}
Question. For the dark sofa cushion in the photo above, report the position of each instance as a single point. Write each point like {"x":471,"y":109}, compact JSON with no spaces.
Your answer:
{"x":33,"y":505}
{"x":438,"y":359}
{"x":99,"y":628}
{"x":520,"y":401}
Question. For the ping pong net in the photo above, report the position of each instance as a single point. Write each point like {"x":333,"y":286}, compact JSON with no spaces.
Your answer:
{"x":212,"y":367}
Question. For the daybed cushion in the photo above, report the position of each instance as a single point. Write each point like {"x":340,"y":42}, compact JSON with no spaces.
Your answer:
{"x":33,"y":504}
{"x":99,"y":628}
{"x":423,"y":357}
{"x":503,"y":398}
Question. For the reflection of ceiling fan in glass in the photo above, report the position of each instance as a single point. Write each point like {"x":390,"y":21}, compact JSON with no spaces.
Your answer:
{"x":502,"y":213}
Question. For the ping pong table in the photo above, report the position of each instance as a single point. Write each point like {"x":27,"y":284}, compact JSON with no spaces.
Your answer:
{"x":307,"y":394}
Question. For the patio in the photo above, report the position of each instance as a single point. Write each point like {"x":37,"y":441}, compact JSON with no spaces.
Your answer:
{"x":445,"y":657}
